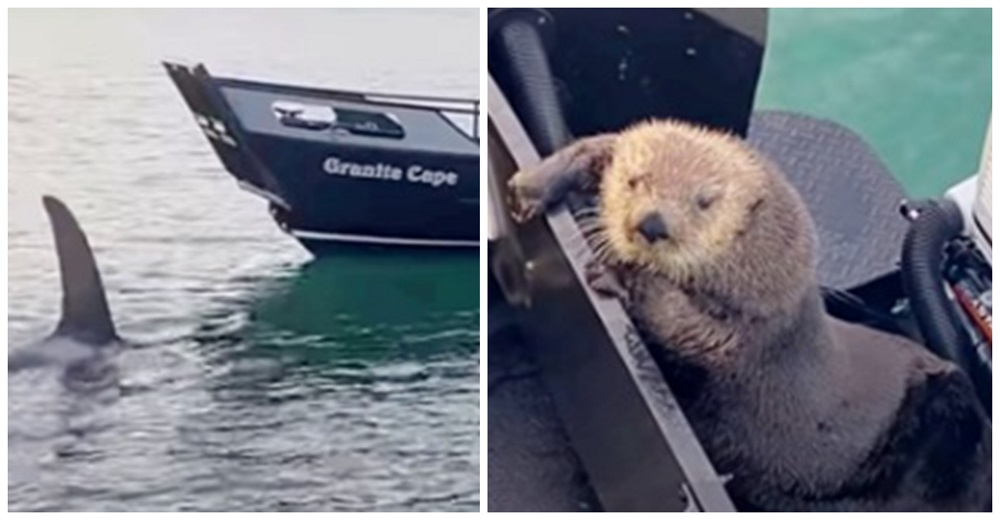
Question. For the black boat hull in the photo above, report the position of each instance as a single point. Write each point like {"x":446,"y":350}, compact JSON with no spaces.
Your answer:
{"x":379,"y":170}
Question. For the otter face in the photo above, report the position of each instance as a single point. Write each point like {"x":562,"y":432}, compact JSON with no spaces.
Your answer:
{"x":675,"y":196}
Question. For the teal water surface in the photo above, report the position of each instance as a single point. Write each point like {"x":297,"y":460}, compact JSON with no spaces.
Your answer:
{"x":915,"y":83}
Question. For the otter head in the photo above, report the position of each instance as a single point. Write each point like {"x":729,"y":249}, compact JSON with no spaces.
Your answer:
{"x":675,"y":197}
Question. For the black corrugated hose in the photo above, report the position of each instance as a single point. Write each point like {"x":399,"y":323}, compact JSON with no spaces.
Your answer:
{"x":923,"y":263}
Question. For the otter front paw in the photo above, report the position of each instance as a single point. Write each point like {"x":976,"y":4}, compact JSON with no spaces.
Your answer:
{"x":602,"y":280}
{"x":527,"y":195}
{"x":544,"y":185}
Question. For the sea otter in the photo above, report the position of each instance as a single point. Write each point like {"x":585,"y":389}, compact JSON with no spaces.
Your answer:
{"x":712,"y":252}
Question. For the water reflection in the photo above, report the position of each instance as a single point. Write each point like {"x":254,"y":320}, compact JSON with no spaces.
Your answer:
{"x":358,"y":305}
{"x":358,"y":375}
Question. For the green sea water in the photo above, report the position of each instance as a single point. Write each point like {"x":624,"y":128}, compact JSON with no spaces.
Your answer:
{"x":915,"y":83}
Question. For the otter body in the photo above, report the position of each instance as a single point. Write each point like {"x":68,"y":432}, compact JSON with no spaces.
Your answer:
{"x":711,"y":251}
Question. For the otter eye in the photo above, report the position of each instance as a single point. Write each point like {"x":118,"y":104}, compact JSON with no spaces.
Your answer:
{"x":705,"y":200}
{"x":633,"y":182}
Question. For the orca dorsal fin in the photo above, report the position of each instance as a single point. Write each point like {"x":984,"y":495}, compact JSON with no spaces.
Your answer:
{"x":85,"y":314}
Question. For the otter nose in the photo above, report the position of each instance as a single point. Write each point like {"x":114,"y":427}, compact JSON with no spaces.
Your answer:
{"x":653,"y":228}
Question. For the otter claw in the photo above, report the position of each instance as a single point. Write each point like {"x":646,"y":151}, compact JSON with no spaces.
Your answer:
{"x":526,"y":201}
{"x":522,"y":210}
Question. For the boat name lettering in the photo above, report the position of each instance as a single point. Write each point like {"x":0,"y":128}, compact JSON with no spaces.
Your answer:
{"x":387,"y":172}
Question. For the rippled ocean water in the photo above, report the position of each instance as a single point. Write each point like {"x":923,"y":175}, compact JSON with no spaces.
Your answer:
{"x":256,"y":378}
{"x":916,"y":84}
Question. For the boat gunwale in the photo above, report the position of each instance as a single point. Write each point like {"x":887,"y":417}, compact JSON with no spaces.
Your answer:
{"x":446,"y":104}
{"x":423,"y":103}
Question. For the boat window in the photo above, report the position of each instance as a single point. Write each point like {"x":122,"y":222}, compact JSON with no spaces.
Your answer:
{"x":298,"y":115}
{"x":364,"y":122}
{"x":322,"y":117}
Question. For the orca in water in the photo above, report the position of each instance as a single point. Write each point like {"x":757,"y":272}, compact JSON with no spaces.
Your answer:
{"x":85,"y":342}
